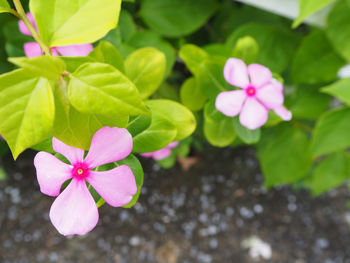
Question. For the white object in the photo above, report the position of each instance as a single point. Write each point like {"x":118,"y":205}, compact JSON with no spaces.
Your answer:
{"x":257,"y":248}
{"x":289,"y":9}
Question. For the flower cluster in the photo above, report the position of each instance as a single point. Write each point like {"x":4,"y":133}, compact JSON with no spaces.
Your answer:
{"x":74,"y":211}
{"x":259,"y":92}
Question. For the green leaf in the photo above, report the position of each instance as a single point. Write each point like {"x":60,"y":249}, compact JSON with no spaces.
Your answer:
{"x":177,"y":114}
{"x":137,"y":170}
{"x":126,"y":25}
{"x":106,"y":53}
{"x":147,"y":38}
{"x":286,"y":157}
{"x":276,"y":44}
{"x":73,"y":63}
{"x":193,"y":56}
{"x":4,"y":6}
{"x":138,"y":124}
{"x":218,"y":50}
{"x":330,"y":173}
{"x":338,"y":28}
{"x":315,"y":51}
{"x":218,"y":129}
{"x":246,"y":135}
{"x":340,"y":90}
{"x":15,"y":40}
{"x":210,"y":77}
{"x":246,"y":49}
{"x":26,"y":109}
{"x":158,"y":135}
{"x":306,"y":102}
{"x":76,"y":129}
{"x":307,"y":8}
{"x":191,"y":95}
{"x":97,"y":88}
{"x":332,"y":132}
{"x":66,"y":22}
{"x":146,"y":68}
{"x":175,"y":18}
{"x":44,"y":66}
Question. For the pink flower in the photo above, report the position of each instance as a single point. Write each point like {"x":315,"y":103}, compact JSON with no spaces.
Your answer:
{"x":74,"y":211}
{"x":32,"y":49}
{"x":162,"y":153}
{"x":259,"y":93}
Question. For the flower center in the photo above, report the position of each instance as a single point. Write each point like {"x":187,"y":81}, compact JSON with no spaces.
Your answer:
{"x":251,"y":91}
{"x":80,"y":171}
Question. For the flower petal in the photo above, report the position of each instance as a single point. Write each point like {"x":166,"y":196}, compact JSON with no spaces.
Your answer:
{"x":230,"y":102}
{"x":51,"y":173}
{"x":32,"y":49}
{"x":75,"y":50}
{"x":109,"y":145}
{"x":116,"y":186}
{"x":236,"y":73}
{"x":173,"y":145}
{"x":283,"y":113}
{"x":74,"y":212}
{"x":253,"y":114}
{"x":259,"y":75}
{"x":23,"y":28}
{"x":162,"y":153}
{"x":270,"y":95}
{"x":74,"y":155}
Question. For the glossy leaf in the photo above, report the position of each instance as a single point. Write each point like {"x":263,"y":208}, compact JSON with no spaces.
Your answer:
{"x":286,"y":158}
{"x":332,"y":132}
{"x":191,"y":95}
{"x":330,"y":173}
{"x":26,"y":110}
{"x":276,"y":44}
{"x":193,"y":56}
{"x":138,"y":124}
{"x":315,"y":51}
{"x":4,"y":6}
{"x":106,"y":53}
{"x":44,"y":66}
{"x":175,"y":18}
{"x":66,"y":22}
{"x":177,"y":114}
{"x":146,"y":68}
{"x":338,"y":28}
{"x":340,"y":90}
{"x":308,"y":7}
{"x":246,"y":49}
{"x":246,"y":135}
{"x":97,"y":88}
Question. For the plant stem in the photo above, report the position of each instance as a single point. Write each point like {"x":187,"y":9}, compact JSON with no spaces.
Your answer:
{"x":23,"y":16}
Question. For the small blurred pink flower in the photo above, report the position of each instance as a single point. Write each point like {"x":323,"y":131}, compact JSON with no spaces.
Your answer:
{"x":259,"y":93}
{"x":74,"y":211}
{"x":162,"y":153}
{"x":32,"y":49}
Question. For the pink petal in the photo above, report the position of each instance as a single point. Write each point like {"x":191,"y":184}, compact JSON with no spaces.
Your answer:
{"x":283,"y":113}
{"x":230,"y":102}
{"x":116,"y":186}
{"x":74,"y":155}
{"x":235,"y":73}
{"x":270,"y":95}
{"x":51,"y":173}
{"x":32,"y":49}
{"x":74,"y":212}
{"x":75,"y":50}
{"x":109,"y":145}
{"x":173,"y":145}
{"x":23,"y":28}
{"x":147,"y":155}
{"x":162,"y":153}
{"x":54,"y":52}
{"x":253,"y":114}
{"x":259,"y":75}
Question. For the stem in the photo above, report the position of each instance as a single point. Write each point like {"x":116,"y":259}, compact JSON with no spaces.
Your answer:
{"x":25,"y":19}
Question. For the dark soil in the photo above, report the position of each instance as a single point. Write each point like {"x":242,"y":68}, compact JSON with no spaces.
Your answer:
{"x":202,"y":215}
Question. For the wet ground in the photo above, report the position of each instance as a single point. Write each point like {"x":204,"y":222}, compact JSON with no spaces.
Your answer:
{"x":203,"y":215}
